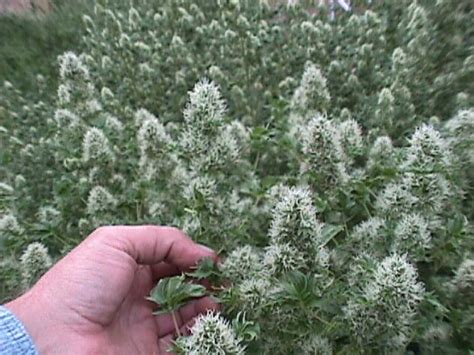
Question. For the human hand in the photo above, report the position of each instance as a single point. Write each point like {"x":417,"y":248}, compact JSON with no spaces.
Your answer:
{"x":93,"y":300}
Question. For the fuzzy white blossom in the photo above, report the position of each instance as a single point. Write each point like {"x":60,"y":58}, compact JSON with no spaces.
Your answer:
{"x":387,"y":305}
{"x":323,"y":152}
{"x":211,"y":334}
{"x":461,"y":135}
{"x":322,"y":258}
{"x":9,"y":224}
{"x":152,"y":137}
{"x":427,"y":150}
{"x":399,"y":60}
{"x":224,"y":150}
{"x":350,"y":136}
{"x":92,"y":106}
{"x":312,"y":94}
{"x":385,"y":107}
{"x":253,"y":292}
{"x":464,"y":278}
{"x":241,"y":263}
{"x":205,"y":109}
{"x":412,"y":235}
{"x":72,"y":66}
{"x":281,"y":258}
{"x":66,"y":118}
{"x":95,"y":146}
{"x":48,"y":215}
{"x":113,"y":124}
{"x":190,"y":224}
{"x":64,"y":94}
{"x":100,"y":200}
{"x":141,"y":116}
{"x":381,"y":152}
{"x":206,"y":140}
{"x":396,"y":199}
{"x":35,"y":261}
{"x":315,"y":344}
{"x":295,"y":222}
{"x":6,"y":189}
{"x":370,"y":235}
{"x":430,"y":190}
{"x":200,"y":188}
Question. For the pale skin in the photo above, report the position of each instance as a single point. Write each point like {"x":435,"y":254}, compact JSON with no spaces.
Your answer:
{"x":93,"y":300}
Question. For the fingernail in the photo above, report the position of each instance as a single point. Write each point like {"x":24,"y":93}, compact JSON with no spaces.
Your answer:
{"x":206,"y":249}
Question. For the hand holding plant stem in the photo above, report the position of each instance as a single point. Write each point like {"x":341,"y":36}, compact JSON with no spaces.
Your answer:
{"x":171,"y":293}
{"x":94,"y":299}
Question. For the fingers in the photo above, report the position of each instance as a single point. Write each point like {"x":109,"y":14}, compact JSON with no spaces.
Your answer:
{"x":165,"y":344}
{"x":154,"y":244}
{"x":184,"y":316}
{"x":162,"y":270}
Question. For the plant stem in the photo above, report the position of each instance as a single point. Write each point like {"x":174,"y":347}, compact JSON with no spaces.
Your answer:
{"x":175,"y":322}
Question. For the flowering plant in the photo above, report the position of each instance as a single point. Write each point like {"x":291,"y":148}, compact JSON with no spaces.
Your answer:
{"x":328,"y":160}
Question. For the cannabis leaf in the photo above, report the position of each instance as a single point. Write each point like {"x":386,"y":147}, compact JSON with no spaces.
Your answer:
{"x":171,"y":293}
{"x":246,"y":330}
{"x":206,"y":269}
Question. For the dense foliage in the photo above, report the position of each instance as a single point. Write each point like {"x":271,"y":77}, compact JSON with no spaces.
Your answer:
{"x":329,"y":161}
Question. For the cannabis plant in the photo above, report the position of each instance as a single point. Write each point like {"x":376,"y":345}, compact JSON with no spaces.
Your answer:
{"x":327,"y":158}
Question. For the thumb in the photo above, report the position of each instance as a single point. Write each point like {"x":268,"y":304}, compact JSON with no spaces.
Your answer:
{"x":154,"y":244}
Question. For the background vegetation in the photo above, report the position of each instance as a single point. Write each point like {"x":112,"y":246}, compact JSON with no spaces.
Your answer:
{"x":329,"y":161}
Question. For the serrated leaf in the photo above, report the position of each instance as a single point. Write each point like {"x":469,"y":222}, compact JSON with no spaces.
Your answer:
{"x":206,"y":269}
{"x":171,"y":293}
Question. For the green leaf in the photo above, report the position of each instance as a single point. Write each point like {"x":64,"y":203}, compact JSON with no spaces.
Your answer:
{"x":206,"y":269}
{"x":329,"y":232}
{"x":246,"y":330}
{"x":171,"y":293}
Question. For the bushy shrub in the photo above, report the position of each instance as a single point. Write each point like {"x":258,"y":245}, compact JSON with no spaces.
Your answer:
{"x":326,"y":160}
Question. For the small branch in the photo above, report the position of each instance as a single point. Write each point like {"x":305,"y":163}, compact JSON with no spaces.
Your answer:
{"x":175,"y":322}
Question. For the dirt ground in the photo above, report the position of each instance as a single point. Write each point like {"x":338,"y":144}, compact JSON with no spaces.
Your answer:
{"x":22,"y":5}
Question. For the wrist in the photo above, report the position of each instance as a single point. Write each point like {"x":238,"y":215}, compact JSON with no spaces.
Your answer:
{"x":33,"y":315}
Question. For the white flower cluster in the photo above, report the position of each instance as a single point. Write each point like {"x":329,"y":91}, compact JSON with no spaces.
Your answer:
{"x":100,"y":200}
{"x":72,"y":67}
{"x":154,"y":144}
{"x":281,"y":258}
{"x":206,"y":108}
{"x":210,"y":334}
{"x":381,"y":153}
{"x":207,"y":140}
{"x":412,"y":235}
{"x":295,"y":222}
{"x":254,"y":292}
{"x":461,"y":135}
{"x":35,"y":261}
{"x":48,"y":215}
{"x":387,"y":305}
{"x":464,"y":278}
{"x":152,"y":137}
{"x":350,"y":136}
{"x":96,"y":146}
{"x":427,"y":150}
{"x":315,"y":345}
{"x":323,"y":152}
{"x":9,"y":225}
{"x":241,"y":263}
{"x":66,"y":119}
{"x":370,"y":236}
{"x":312,"y":94}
